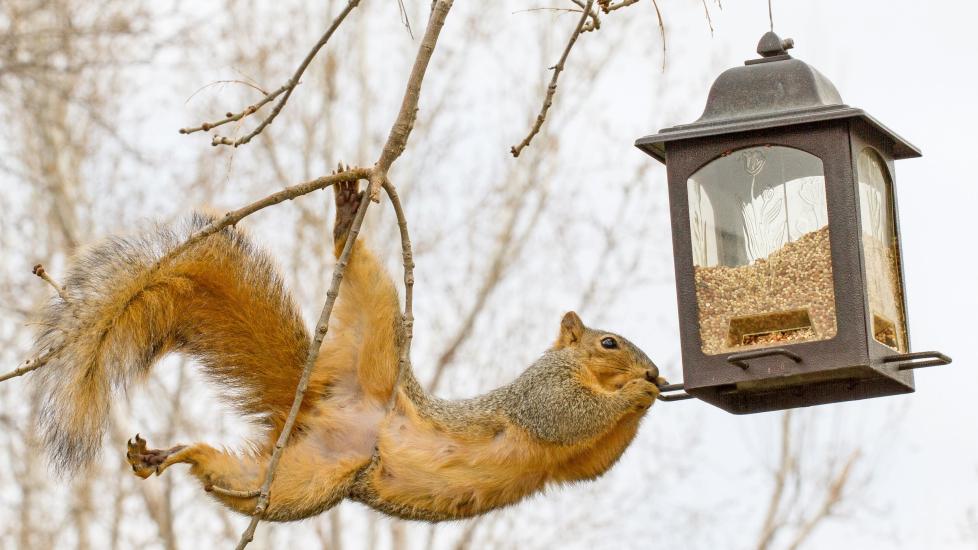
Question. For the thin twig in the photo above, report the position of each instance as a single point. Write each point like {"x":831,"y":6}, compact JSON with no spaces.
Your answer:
{"x":29,"y":365}
{"x":608,"y":7}
{"x":552,"y":87}
{"x":252,"y":85}
{"x":322,"y":327}
{"x":407,"y":319}
{"x":595,"y":22}
{"x":771,"y":525}
{"x":662,"y":32}
{"x":289,"y":193}
{"x":40,"y":272}
{"x":401,"y":129}
{"x":833,"y":496}
{"x":530,"y":10}
{"x":405,"y":20}
{"x":231,"y":492}
{"x":709,"y":20}
{"x":505,"y":253}
{"x":233,"y":117}
{"x":285,"y":91}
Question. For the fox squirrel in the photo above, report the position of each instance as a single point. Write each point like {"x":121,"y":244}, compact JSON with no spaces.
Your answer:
{"x":568,"y":417}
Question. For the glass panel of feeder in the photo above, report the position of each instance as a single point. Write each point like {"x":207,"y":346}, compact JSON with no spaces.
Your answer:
{"x":761,"y":255}
{"x":880,"y":251}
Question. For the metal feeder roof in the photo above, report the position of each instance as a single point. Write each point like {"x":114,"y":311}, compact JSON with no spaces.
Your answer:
{"x":775,"y":90}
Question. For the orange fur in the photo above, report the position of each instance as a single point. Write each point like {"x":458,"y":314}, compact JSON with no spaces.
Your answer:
{"x":405,"y":461}
{"x":426,"y":470}
{"x":568,"y":417}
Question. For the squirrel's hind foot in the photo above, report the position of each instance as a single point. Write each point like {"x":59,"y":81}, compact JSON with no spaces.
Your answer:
{"x":348,"y":198}
{"x":146,"y":462}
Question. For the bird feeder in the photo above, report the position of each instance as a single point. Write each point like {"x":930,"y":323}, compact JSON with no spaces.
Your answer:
{"x":786,"y":243}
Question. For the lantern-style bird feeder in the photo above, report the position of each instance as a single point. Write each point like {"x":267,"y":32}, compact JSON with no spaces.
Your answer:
{"x":786,"y":243}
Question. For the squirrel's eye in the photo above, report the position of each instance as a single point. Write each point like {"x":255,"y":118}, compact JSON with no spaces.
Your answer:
{"x":609,"y":343}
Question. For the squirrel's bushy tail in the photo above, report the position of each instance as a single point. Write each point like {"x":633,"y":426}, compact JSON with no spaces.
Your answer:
{"x":130,"y":302}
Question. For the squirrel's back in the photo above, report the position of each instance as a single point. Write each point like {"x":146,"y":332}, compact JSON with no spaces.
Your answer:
{"x":130,"y":301}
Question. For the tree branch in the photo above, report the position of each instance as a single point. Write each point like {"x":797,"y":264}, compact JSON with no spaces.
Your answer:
{"x":608,"y":7}
{"x":771,"y":526}
{"x":289,"y":193}
{"x":401,"y":129}
{"x":285,"y":91}
{"x":407,"y":319}
{"x":393,"y":149}
{"x":548,"y":100}
{"x":595,"y":22}
{"x":322,"y":327}
{"x":662,"y":32}
{"x":832,"y":497}
{"x":29,"y":365}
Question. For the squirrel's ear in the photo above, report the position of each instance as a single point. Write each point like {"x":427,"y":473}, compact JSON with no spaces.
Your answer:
{"x":571,"y":330}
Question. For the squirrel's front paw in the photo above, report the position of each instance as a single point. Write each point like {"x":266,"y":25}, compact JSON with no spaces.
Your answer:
{"x":640,"y":393}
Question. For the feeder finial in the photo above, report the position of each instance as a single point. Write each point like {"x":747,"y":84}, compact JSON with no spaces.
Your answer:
{"x":771,"y":45}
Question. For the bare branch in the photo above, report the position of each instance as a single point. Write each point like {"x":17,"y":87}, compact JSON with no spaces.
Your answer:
{"x":508,"y":248}
{"x":392,"y":150}
{"x":407,"y":320}
{"x":777,"y":519}
{"x":832,"y":497}
{"x":29,"y":365}
{"x":234,"y":117}
{"x":609,"y":7}
{"x":289,"y":193}
{"x":405,"y":20}
{"x":401,"y":129}
{"x":709,"y":20}
{"x":595,"y":22}
{"x":771,"y":525}
{"x":468,"y":534}
{"x":662,"y":32}
{"x":548,"y":100}
{"x":285,"y":91}
{"x":322,"y":327}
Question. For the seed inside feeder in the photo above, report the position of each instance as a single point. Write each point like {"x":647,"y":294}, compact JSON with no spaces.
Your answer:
{"x":787,"y":297}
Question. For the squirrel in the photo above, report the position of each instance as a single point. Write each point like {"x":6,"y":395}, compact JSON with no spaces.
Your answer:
{"x":130,"y":301}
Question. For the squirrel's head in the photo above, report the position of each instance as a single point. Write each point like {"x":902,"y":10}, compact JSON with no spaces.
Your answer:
{"x":609,"y":358}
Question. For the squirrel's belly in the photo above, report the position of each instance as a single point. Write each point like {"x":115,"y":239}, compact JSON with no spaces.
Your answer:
{"x":424,"y":473}
{"x":345,"y":427}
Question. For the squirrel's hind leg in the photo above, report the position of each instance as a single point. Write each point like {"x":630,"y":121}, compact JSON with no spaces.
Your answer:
{"x":306,"y":482}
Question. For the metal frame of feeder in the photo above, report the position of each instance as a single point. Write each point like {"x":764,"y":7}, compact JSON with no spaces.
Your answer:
{"x":781,"y":101}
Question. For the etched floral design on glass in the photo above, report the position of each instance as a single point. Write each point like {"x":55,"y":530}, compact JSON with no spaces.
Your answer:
{"x":761,"y":254}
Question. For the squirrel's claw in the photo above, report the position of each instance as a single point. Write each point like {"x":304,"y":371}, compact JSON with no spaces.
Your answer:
{"x":144,"y":461}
